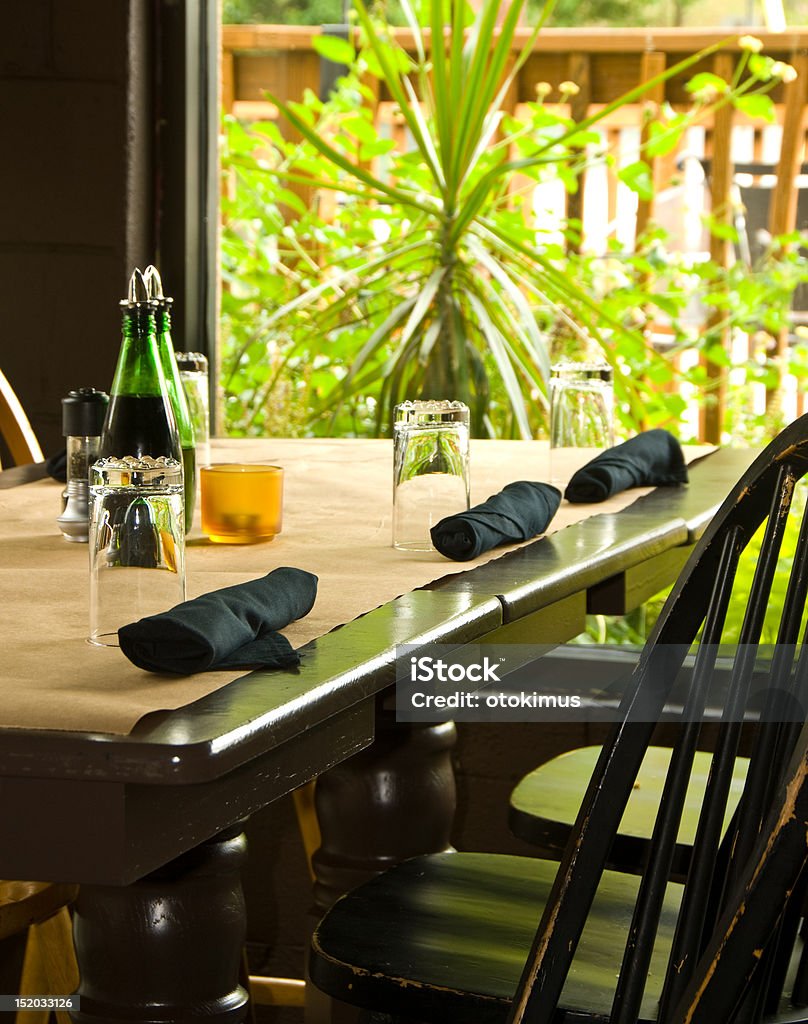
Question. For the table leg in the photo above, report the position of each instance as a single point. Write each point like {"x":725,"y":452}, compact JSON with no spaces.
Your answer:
{"x":168,"y":947}
{"x":392,"y":801}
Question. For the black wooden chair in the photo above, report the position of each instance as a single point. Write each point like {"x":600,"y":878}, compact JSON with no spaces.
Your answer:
{"x":544,"y":803}
{"x":454,"y":937}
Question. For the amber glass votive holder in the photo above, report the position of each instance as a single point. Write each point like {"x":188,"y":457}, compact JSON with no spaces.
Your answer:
{"x":241,"y":503}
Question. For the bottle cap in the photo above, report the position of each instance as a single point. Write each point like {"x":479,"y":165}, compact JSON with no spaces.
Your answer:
{"x":83,"y":412}
{"x":139,"y":299}
{"x":154,"y":287}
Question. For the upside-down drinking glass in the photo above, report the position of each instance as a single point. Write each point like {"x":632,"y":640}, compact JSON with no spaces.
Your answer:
{"x":581,"y":414}
{"x":137,"y":542}
{"x":430,"y":469}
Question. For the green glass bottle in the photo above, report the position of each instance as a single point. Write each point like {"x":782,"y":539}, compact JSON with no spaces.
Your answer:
{"x":140,"y":420}
{"x":176,"y":392}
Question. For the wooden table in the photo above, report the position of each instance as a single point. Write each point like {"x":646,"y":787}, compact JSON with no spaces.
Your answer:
{"x":150,"y":822}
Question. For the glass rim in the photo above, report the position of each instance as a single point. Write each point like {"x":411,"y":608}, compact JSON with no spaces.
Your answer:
{"x":130,"y":473}
{"x":438,"y":404}
{"x":132,"y":462}
{"x":240,"y":467}
{"x":589,"y":369}
{"x":428,"y":412}
{"x":192,"y":362}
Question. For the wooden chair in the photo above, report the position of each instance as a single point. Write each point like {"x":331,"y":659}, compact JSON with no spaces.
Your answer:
{"x":49,"y":967}
{"x":38,"y":908}
{"x":544,"y":805}
{"x":15,"y":428}
{"x":453,"y":937}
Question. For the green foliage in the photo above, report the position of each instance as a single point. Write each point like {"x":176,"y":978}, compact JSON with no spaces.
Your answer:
{"x":575,"y":13}
{"x":431,"y":278}
{"x":299,"y":12}
{"x":282,"y":12}
{"x":785,"y":562}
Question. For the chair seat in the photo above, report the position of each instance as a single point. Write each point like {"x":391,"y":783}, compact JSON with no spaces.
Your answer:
{"x":444,"y":938}
{"x":544,"y":804}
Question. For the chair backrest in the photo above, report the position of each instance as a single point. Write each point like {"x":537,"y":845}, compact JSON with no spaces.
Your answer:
{"x":15,"y":428}
{"x":756,"y":516}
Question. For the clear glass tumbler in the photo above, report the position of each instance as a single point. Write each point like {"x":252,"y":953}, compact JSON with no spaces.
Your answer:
{"x":581,"y":414}
{"x":137,"y":542}
{"x":430,"y":469}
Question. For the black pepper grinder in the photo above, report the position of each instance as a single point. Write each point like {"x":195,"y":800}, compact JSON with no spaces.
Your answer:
{"x":83,"y":413}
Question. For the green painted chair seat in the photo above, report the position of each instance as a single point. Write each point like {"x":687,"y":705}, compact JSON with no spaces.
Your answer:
{"x":441,"y":934}
{"x":544,"y":804}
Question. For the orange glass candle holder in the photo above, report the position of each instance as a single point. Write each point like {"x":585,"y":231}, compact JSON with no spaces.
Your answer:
{"x":241,"y":503}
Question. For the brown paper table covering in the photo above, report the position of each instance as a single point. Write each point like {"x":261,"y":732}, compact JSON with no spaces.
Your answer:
{"x":337,"y":524}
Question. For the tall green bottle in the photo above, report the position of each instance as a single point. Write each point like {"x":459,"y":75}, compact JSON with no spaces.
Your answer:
{"x":176,"y":392}
{"x":140,"y":420}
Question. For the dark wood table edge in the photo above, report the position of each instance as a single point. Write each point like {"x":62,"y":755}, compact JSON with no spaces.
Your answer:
{"x":203,"y":740}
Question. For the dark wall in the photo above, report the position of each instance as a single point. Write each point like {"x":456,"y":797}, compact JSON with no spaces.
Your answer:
{"x":75,"y":191}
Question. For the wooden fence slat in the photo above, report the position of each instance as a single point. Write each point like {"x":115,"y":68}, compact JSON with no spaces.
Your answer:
{"x":783,"y":203}
{"x":712,"y":413}
{"x":653,"y":64}
{"x":580,"y":73}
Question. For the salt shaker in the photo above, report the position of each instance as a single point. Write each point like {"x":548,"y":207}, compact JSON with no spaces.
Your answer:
{"x":83,"y":412}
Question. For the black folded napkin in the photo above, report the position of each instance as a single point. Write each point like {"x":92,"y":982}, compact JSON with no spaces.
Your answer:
{"x":520,"y":511}
{"x":651,"y":459}
{"x":230,"y":628}
{"x":56,"y":466}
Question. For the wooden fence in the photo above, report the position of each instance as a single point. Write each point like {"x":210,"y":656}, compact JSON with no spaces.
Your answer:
{"x":604,"y":64}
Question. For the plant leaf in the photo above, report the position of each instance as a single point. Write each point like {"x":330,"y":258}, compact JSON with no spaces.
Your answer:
{"x":756,"y":106}
{"x":392,"y":79}
{"x":337,"y":158}
{"x":335,"y":49}
{"x":638,"y":177}
{"x":423,"y":302}
{"x":498,"y":350}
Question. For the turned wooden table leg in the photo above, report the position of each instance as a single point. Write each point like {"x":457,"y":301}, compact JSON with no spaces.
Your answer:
{"x":168,"y":947}
{"x":392,"y":801}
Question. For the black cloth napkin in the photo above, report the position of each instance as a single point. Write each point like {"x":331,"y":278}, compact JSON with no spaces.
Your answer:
{"x":520,"y":511}
{"x":230,"y":628}
{"x":651,"y":459}
{"x":56,"y":466}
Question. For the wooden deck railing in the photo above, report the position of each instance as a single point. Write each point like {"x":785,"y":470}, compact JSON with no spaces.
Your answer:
{"x":604,"y":64}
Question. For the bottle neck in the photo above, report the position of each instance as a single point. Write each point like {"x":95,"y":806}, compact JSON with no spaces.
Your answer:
{"x":168,"y":361}
{"x":138,"y":371}
{"x":163,"y":318}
